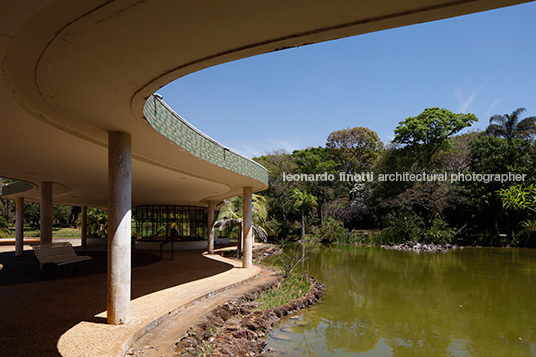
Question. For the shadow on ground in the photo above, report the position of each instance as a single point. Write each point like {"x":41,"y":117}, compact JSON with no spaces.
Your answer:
{"x":37,"y":308}
{"x":25,"y":269}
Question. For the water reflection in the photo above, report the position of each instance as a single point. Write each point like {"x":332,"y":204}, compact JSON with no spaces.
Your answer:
{"x":470,"y":302}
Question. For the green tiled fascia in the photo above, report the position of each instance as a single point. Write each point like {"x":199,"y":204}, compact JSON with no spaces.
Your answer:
{"x":168,"y":123}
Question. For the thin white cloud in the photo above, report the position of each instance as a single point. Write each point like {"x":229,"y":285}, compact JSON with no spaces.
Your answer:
{"x":464,"y":105}
{"x":465,"y":100}
{"x":490,"y":108}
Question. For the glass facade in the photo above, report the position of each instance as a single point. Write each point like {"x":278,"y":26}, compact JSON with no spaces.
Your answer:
{"x":165,"y":222}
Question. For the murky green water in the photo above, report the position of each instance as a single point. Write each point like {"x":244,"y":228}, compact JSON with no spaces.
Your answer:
{"x":468,"y":302}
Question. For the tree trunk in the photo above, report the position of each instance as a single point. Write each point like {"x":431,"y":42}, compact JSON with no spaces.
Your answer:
{"x":303,"y":255}
{"x":302,"y":225}
{"x":239,"y":242}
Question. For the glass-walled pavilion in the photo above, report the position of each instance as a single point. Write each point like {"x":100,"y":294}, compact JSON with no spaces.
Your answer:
{"x":171,"y":222}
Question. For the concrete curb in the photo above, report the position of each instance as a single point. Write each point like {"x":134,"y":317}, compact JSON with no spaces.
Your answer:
{"x":122,"y":348}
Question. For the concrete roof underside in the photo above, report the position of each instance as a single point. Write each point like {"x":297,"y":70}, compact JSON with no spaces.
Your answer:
{"x":74,"y":70}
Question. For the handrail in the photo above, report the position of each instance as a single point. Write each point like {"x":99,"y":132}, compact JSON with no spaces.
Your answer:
{"x":172,"y":248}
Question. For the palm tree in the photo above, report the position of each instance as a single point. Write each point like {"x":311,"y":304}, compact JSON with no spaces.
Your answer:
{"x":509,"y":126}
{"x":231,"y":214}
{"x":303,"y":202}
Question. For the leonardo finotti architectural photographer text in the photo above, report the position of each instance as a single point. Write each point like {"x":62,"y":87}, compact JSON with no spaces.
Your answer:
{"x":405,"y":176}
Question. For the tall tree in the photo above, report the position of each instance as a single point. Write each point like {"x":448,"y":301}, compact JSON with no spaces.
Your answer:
{"x":31,"y":213}
{"x":457,"y":159}
{"x":428,"y":133}
{"x":354,"y":149}
{"x":303,"y":202}
{"x":61,"y":214}
{"x":509,"y":126}
{"x":319,"y":160}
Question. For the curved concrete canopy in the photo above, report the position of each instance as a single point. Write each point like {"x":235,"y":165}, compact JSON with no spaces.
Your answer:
{"x":74,"y":70}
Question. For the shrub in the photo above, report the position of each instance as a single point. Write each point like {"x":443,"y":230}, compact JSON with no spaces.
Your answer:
{"x":393,"y":235}
{"x":402,"y":228}
{"x":439,"y":233}
{"x":332,"y":230}
{"x":528,"y":233}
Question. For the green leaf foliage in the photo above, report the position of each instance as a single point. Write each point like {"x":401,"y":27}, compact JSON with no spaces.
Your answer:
{"x":354,"y":149}
{"x":232,"y":212}
{"x":509,"y":126}
{"x":463,"y":212}
{"x":519,"y":197}
{"x":429,"y":131}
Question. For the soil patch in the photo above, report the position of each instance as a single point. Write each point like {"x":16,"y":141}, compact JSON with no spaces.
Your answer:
{"x":236,"y":328}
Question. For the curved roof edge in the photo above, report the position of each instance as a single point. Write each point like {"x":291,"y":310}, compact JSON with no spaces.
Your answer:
{"x":174,"y":127}
{"x":15,"y":188}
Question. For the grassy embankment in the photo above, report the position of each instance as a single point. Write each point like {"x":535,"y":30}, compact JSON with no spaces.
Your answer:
{"x":294,"y":285}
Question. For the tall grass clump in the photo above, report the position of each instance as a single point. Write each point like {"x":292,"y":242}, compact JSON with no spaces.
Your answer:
{"x":293,"y":287}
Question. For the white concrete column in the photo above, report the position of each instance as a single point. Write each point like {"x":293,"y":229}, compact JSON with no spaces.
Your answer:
{"x":210,"y":214}
{"x":83,"y":227}
{"x":119,"y":226}
{"x":247,"y":229}
{"x":19,"y":226}
{"x":46,"y":212}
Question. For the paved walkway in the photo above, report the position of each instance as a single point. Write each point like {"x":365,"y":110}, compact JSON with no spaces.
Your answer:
{"x":63,"y":313}
{"x":161,"y":340}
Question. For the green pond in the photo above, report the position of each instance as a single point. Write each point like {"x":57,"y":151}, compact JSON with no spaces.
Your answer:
{"x":467,"y":302}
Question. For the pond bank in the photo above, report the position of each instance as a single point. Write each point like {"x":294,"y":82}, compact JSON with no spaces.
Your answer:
{"x":200,"y":325}
{"x":236,"y":329}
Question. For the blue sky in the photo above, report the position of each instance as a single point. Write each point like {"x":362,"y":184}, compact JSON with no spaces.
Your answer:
{"x":482,"y":63}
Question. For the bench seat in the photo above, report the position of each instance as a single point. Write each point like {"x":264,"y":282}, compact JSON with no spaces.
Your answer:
{"x":57,"y":253}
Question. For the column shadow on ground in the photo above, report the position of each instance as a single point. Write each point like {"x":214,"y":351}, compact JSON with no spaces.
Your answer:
{"x":37,"y":308}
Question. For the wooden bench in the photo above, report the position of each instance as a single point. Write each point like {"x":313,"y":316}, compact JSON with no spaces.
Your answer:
{"x":57,"y":253}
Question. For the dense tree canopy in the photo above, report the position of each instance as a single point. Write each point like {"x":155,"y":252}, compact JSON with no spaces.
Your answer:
{"x":278,"y":163}
{"x":354,"y":149}
{"x":464,"y":212}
